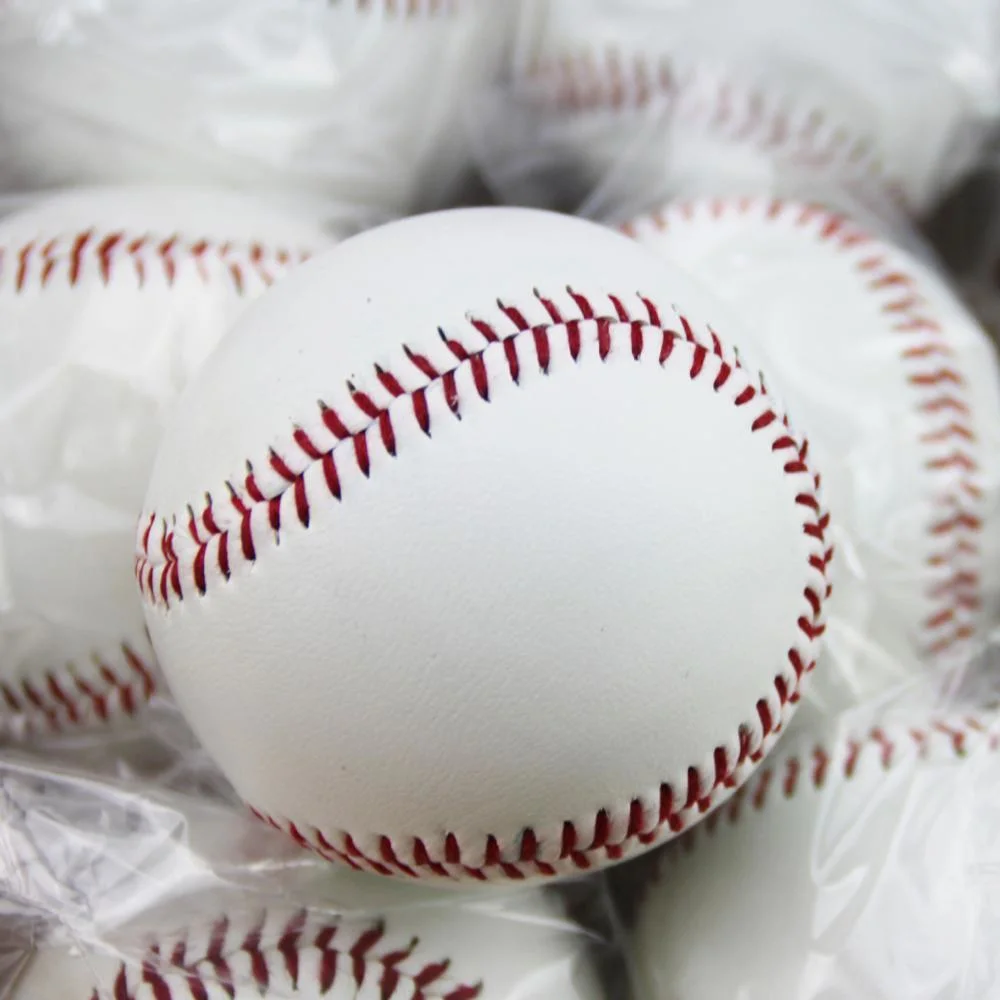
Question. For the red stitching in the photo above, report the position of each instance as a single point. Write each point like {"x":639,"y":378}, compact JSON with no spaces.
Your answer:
{"x":940,"y":739}
{"x":939,"y":393}
{"x":706,"y":96}
{"x":93,"y":254}
{"x":73,"y":694}
{"x":412,"y":8}
{"x":68,"y":695}
{"x":166,"y":577}
{"x":271,"y":954}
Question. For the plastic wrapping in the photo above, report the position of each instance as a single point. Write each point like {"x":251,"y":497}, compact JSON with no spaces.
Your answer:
{"x":897,"y":389}
{"x":860,"y":862}
{"x":109,"y":301}
{"x":780,"y":156}
{"x":352,"y":110}
{"x":611,"y":106}
{"x":153,"y":888}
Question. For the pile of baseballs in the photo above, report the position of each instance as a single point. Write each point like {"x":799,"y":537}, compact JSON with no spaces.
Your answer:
{"x":693,"y":632}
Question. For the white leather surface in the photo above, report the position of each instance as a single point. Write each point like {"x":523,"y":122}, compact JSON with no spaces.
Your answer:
{"x":833,"y":350}
{"x":88,"y":370}
{"x":575,"y":592}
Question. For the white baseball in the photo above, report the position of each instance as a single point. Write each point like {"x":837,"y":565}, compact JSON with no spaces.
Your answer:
{"x":794,"y":100}
{"x":847,"y":867}
{"x":109,"y":300}
{"x":352,"y":108}
{"x":898,"y":390}
{"x":523,"y":947}
{"x":465,"y":558}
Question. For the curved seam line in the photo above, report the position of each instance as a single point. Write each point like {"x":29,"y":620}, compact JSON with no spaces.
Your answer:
{"x":958,"y":596}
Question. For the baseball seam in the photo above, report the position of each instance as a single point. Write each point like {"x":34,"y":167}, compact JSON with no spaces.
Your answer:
{"x":829,"y":762}
{"x":708,"y":98}
{"x":270,"y":953}
{"x":70,"y":696}
{"x":76,"y":259}
{"x":940,"y":739}
{"x":411,"y":8}
{"x":933,"y":373}
{"x":182,"y":557}
{"x":119,"y":681}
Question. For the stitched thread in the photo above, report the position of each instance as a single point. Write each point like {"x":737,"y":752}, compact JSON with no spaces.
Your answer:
{"x":97,"y":255}
{"x":708,"y":99}
{"x":411,"y":8}
{"x":940,"y":394}
{"x":182,"y":557}
{"x":325,"y":956}
{"x":67,"y":695}
{"x":939,"y":740}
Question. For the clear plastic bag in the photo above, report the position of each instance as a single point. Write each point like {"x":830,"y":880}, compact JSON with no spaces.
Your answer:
{"x":780,"y":158}
{"x":897,"y":389}
{"x":349,"y":110}
{"x":109,"y":301}
{"x":860,"y":862}
{"x":613,"y":106}
{"x":129,"y":885}
{"x":862,"y":869}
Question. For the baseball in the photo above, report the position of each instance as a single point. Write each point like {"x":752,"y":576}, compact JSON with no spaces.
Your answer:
{"x":848,"y":866}
{"x":651,"y":126}
{"x":469,"y":555}
{"x":348,"y":108}
{"x":474,"y":951}
{"x":109,"y":300}
{"x":898,"y":390}
{"x":692,"y":99}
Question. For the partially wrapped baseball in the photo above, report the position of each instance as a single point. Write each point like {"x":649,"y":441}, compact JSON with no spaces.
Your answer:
{"x":110,"y":298}
{"x":854,"y":864}
{"x":471,"y":553}
{"x":525,"y":947}
{"x":886,"y":103}
{"x":898,"y":390}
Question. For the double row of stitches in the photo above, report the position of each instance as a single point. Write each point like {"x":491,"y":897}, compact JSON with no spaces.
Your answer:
{"x":106,"y":256}
{"x":73,"y":693}
{"x":933,"y":371}
{"x":179,"y":558}
{"x":297,"y":952}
